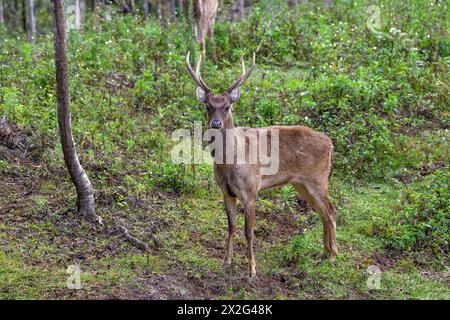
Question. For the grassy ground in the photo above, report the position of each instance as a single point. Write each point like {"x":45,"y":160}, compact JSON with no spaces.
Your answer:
{"x":41,"y":236}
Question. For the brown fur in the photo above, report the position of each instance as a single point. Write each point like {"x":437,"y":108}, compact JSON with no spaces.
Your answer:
{"x":305,"y":158}
{"x":204,"y":17}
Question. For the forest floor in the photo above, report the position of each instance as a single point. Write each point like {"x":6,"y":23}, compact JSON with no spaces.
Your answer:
{"x":41,"y":235}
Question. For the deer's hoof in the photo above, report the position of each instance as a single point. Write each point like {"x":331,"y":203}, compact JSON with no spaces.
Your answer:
{"x":252,"y":276}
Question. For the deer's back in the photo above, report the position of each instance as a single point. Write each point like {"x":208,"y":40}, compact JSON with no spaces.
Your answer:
{"x":304,"y":154}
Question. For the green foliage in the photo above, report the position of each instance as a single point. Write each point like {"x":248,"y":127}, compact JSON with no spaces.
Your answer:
{"x":382,"y":97}
{"x":424,"y":218}
{"x":289,"y":195}
{"x":321,"y":68}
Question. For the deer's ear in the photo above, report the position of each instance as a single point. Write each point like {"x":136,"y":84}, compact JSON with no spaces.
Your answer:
{"x":201,"y":94}
{"x":235,"y":94}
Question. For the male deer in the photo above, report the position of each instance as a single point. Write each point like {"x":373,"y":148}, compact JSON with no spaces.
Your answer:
{"x":305,"y":160}
{"x":204,"y":17}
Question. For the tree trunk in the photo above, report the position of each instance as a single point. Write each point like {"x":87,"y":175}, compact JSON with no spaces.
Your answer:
{"x":240,"y":9}
{"x":91,"y":5}
{"x":77,"y":15}
{"x":131,"y":5}
{"x":185,"y":4}
{"x":146,"y":9}
{"x":172,"y":8}
{"x":2,"y":17}
{"x":85,"y":193}
{"x":159,"y":10}
{"x":24,"y":16}
{"x":32,"y":21}
{"x":294,"y":5}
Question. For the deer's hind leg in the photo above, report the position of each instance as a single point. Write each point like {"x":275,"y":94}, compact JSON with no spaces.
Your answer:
{"x":316,"y":194}
{"x":248,"y":200}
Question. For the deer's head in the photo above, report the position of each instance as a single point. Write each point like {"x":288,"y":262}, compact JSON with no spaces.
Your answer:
{"x":218,"y":107}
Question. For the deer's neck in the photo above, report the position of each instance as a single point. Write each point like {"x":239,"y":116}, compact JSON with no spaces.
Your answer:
{"x":229,"y":124}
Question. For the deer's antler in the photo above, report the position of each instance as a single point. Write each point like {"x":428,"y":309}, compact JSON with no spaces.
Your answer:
{"x":196,"y":75}
{"x":240,"y":81}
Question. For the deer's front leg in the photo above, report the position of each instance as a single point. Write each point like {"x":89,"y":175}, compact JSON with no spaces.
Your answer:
{"x":230,"y":208}
{"x":249,"y":211}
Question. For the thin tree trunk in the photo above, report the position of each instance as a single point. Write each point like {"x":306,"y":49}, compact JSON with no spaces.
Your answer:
{"x":24,"y":16}
{"x":91,"y":5}
{"x":131,"y":5}
{"x":14,"y":21}
{"x":159,"y":10}
{"x":2,"y":17}
{"x":146,"y":9}
{"x":77,"y":15}
{"x":231,"y":17}
{"x":82,"y":10}
{"x":172,"y":8}
{"x":96,"y":14}
{"x":185,"y":5}
{"x":240,"y":9}
{"x":85,"y":193}
{"x":294,"y":4}
{"x":32,"y":21}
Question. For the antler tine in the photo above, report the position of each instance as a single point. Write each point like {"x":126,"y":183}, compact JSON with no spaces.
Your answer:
{"x":199,"y":63}
{"x":196,"y":74}
{"x":199,"y":75}
{"x":244,"y":75}
{"x":189,"y":68}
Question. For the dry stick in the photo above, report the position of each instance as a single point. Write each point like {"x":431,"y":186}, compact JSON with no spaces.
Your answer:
{"x":138,"y":243}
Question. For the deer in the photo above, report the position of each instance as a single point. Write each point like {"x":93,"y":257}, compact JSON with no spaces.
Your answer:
{"x":204,"y":19}
{"x":305,"y":162}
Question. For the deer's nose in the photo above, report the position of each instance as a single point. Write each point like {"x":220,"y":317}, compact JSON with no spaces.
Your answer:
{"x":216,"y":124}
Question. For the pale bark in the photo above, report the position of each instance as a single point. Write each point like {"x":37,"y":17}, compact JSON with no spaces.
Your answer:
{"x":172,"y":8}
{"x":77,"y":15}
{"x":159,"y":10}
{"x":85,"y":192}
{"x":82,"y":11}
{"x":146,"y":9}
{"x":240,"y":9}
{"x":2,"y":16}
{"x":32,"y":21}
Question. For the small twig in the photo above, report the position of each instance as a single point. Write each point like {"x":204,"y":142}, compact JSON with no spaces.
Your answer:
{"x":138,"y":243}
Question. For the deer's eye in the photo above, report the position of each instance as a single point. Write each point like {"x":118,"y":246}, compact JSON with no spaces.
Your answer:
{"x":209,"y":108}
{"x":227,"y":108}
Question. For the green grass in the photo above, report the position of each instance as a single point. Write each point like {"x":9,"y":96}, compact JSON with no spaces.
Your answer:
{"x":193,"y":244}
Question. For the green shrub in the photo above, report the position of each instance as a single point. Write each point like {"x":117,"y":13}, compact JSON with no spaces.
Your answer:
{"x":424,"y":218}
